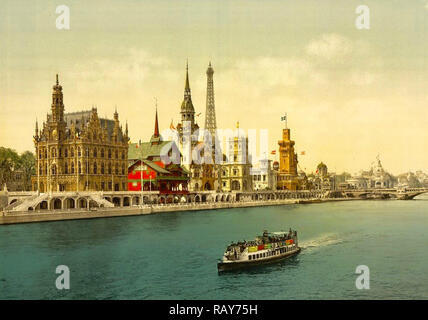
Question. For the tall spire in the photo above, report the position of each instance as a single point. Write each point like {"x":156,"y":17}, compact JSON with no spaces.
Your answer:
{"x":156,"y":133}
{"x":57,"y":82}
{"x":210,"y":118}
{"x":156,"y":138}
{"x":187,"y":85}
{"x":187,"y":105}
{"x":37,"y":129}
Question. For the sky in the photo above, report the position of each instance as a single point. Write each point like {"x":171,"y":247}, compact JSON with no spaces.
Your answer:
{"x":350,"y":94}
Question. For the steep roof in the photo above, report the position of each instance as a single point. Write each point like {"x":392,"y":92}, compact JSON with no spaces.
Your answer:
{"x":146,"y":150}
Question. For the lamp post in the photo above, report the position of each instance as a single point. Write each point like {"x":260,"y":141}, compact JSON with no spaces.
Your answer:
{"x":141,"y":177}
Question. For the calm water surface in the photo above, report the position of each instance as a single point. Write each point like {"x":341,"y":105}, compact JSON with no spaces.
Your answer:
{"x":174,"y":255}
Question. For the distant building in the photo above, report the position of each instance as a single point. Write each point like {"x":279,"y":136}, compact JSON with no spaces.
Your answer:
{"x":155,"y":166}
{"x":18,"y":182}
{"x":322,"y":179}
{"x":376,"y":177}
{"x":287,"y":175}
{"x":380,"y":178}
{"x":79,"y":151}
{"x":264,"y":176}
{"x":235,"y":171}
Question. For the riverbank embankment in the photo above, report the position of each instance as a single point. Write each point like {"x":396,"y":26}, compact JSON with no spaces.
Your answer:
{"x":73,"y":214}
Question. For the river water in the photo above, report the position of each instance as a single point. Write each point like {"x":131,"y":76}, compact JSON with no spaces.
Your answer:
{"x":174,"y":255}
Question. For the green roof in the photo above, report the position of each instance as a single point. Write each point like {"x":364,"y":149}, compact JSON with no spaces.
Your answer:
{"x":147,"y":149}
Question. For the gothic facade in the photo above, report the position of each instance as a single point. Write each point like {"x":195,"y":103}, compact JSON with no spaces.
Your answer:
{"x":79,"y":151}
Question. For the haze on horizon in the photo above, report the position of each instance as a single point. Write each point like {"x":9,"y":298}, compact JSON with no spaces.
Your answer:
{"x":350,"y":94}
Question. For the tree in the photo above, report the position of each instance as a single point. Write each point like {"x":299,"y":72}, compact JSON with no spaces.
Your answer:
{"x":9,"y":161}
{"x":27,"y":163}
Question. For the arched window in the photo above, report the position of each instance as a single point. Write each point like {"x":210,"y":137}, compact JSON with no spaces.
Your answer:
{"x":123,"y":169}
{"x":72,"y":168}
{"x":72,"y":152}
{"x":123,"y":155}
{"x":79,"y":152}
{"x":40,"y":170}
{"x":95,"y":153}
{"x":66,"y":168}
{"x":53,"y":153}
{"x":95,"y":168}
{"x":53,"y":169}
{"x":116,"y":169}
{"x":46,"y":153}
{"x":102,"y":153}
{"x":40,"y":154}
{"x":66,"y":153}
{"x":116,"y":154}
{"x":60,"y":152}
{"x":95,"y":136}
{"x":79,"y":165}
{"x":102,"y":167}
{"x":109,"y":153}
{"x":109,"y":168}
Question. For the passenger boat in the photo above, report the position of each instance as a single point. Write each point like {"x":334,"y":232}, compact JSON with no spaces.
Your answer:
{"x":268,"y":248}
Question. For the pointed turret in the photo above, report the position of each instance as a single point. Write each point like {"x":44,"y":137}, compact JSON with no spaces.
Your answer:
{"x":187,"y":85}
{"x":57,"y":103}
{"x":156,"y":138}
{"x":187,"y":105}
{"x":156,"y":133}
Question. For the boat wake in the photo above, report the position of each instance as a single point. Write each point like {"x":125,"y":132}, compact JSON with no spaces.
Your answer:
{"x":323,"y":240}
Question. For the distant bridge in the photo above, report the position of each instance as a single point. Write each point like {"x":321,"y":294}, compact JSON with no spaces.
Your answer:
{"x":400,"y":194}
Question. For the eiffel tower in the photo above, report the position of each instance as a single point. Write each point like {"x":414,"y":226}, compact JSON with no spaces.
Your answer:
{"x":210,"y":120}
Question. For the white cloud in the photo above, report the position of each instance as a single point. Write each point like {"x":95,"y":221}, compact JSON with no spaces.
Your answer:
{"x":363,"y":78}
{"x":330,"y":46}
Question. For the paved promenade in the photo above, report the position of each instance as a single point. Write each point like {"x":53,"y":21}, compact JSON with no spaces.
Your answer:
{"x":73,"y":214}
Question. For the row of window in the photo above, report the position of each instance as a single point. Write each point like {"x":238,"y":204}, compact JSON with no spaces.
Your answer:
{"x":268,"y":254}
{"x":95,"y":170}
{"x":259,"y":177}
{"x":43,"y":153}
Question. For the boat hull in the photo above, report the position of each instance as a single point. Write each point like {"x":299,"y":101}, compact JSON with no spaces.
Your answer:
{"x":230,"y":266}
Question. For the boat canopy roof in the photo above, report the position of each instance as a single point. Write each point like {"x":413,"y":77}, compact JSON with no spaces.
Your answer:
{"x":279,"y":233}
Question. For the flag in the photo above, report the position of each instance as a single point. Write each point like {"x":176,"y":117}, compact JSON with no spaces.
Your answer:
{"x":303,"y":153}
{"x":284,"y":118}
{"x":273,"y":152}
{"x":199,"y":114}
{"x":171,"y":126}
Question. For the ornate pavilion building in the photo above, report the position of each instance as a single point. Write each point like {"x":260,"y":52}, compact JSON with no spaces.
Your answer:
{"x":149,"y":169}
{"x":79,"y":151}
